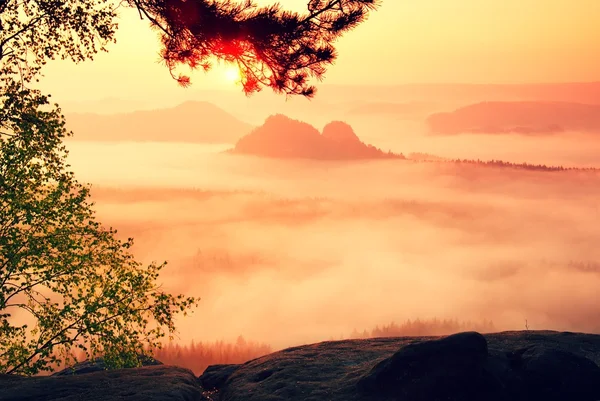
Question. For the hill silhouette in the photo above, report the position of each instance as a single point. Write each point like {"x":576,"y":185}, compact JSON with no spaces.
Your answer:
{"x":192,"y":121}
{"x":283,"y":137}
{"x":518,"y":117}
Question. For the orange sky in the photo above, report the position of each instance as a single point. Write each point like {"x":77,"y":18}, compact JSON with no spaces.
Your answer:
{"x":406,"y":41}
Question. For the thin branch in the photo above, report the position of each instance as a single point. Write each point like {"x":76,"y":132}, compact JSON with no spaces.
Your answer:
{"x":24,"y":29}
{"x":315,"y":14}
{"x":143,"y":11}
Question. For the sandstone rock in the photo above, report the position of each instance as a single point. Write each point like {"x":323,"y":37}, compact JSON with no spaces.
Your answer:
{"x":283,"y":137}
{"x":509,"y":366}
{"x":98,"y":365}
{"x":539,"y":373}
{"x":451,"y":368}
{"x":503,"y":366}
{"x":150,"y":383}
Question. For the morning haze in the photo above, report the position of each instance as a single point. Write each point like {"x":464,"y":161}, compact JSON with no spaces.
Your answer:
{"x":292,"y":250}
{"x":459,"y":181}
{"x":289,"y":251}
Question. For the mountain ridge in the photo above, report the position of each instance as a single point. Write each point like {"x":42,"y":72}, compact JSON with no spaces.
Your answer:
{"x":522,"y":117}
{"x":190,"y":121}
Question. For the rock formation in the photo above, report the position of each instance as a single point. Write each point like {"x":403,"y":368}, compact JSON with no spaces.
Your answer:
{"x":282,"y":137}
{"x":509,"y":366}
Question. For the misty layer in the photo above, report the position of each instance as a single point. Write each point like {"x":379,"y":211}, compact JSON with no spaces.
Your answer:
{"x":518,"y":117}
{"x":291,"y":252}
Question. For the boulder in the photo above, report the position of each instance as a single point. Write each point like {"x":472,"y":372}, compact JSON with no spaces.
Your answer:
{"x":450,"y":368}
{"x":460,"y":367}
{"x":540,"y":373}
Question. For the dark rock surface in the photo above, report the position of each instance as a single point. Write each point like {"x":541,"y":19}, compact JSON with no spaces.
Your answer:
{"x":98,"y":365}
{"x":451,"y":368}
{"x":509,"y":366}
{"x":215,"y":376}
{"x":551,"y":375}
{"x":150,"y":383}
{"x":459,"y":367}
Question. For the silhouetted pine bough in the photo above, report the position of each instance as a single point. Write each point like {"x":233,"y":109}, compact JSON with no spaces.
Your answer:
{"x":271,"y":46}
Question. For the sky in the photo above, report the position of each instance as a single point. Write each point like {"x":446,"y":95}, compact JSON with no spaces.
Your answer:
{"x":405,"y":41}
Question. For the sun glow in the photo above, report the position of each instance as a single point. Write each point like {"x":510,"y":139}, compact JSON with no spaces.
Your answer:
{"x":232,"y":74}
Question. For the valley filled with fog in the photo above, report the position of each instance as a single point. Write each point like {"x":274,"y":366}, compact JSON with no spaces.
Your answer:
{"x":296,"y":251}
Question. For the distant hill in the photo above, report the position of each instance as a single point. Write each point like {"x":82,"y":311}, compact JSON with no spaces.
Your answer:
{"x":283,"y":137}
{"x":518,"y":117}
{"x":197,"y":122}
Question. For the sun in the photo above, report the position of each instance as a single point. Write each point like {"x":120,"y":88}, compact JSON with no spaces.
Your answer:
{"x":232,"y":74}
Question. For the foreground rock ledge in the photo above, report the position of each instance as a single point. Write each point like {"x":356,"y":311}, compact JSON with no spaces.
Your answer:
{"x":149,"y":383}
{"x":509,"y":366}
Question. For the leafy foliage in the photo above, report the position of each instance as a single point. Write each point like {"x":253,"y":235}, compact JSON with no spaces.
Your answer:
{"x":33,"y":32}
{"x":65,"y":281}
{"x":272,"y":47}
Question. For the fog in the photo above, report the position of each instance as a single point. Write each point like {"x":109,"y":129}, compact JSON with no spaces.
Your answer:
{"x":294,"y":251}
{"x":575,"y":149}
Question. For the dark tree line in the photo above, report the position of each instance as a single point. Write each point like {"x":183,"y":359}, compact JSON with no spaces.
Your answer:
{"x":501,"y":163}
{"x":425,"y":327}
